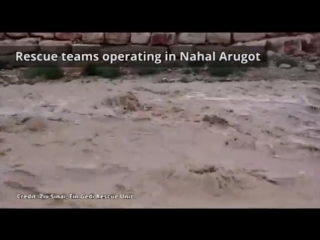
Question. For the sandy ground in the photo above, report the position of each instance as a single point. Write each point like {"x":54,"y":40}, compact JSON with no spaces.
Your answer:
{"x":147,"y":144}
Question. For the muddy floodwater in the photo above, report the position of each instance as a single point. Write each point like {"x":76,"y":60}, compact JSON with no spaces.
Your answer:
{"x":144,"y":144}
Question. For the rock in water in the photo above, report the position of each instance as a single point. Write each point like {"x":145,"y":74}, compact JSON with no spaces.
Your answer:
{"x":310,"y":68}
{"x":285,"y":66}
{"x":213,"y":119}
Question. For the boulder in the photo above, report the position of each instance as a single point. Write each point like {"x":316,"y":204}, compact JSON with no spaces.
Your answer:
{"x":17,"y":35}
{"x":219,"y":38}
{"x":246,"y":37}
{"x":97,"y":37}
{"x":140,"y":38}
{"x":192,"y":38}
{"x":117,"y":38}
{"x":165,"y":39}
{"x":67,"y":35}
{"x":49,"y":35}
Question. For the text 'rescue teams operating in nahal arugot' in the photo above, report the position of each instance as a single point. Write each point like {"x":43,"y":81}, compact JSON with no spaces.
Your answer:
{"x":242,"y":58}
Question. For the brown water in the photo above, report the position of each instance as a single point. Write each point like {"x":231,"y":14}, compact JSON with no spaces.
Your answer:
{"x":74,"y":138}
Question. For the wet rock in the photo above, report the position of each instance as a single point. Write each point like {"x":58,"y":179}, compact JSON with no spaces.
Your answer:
{"x":163,"y":80}
{"x":198,"y":79}
{"x":68,"y":79}
{"x":204,"y":170}
{"x":212,"y":80}
{"x":313,"y":58}
{"x":284,"y":66}
{"x":310,"y":67}
{"x":271,"y":54}
{"x":167,"y":80}
{"x":213,"y":119}
{"x":226,"y":80}
{"x":185,"y":79}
